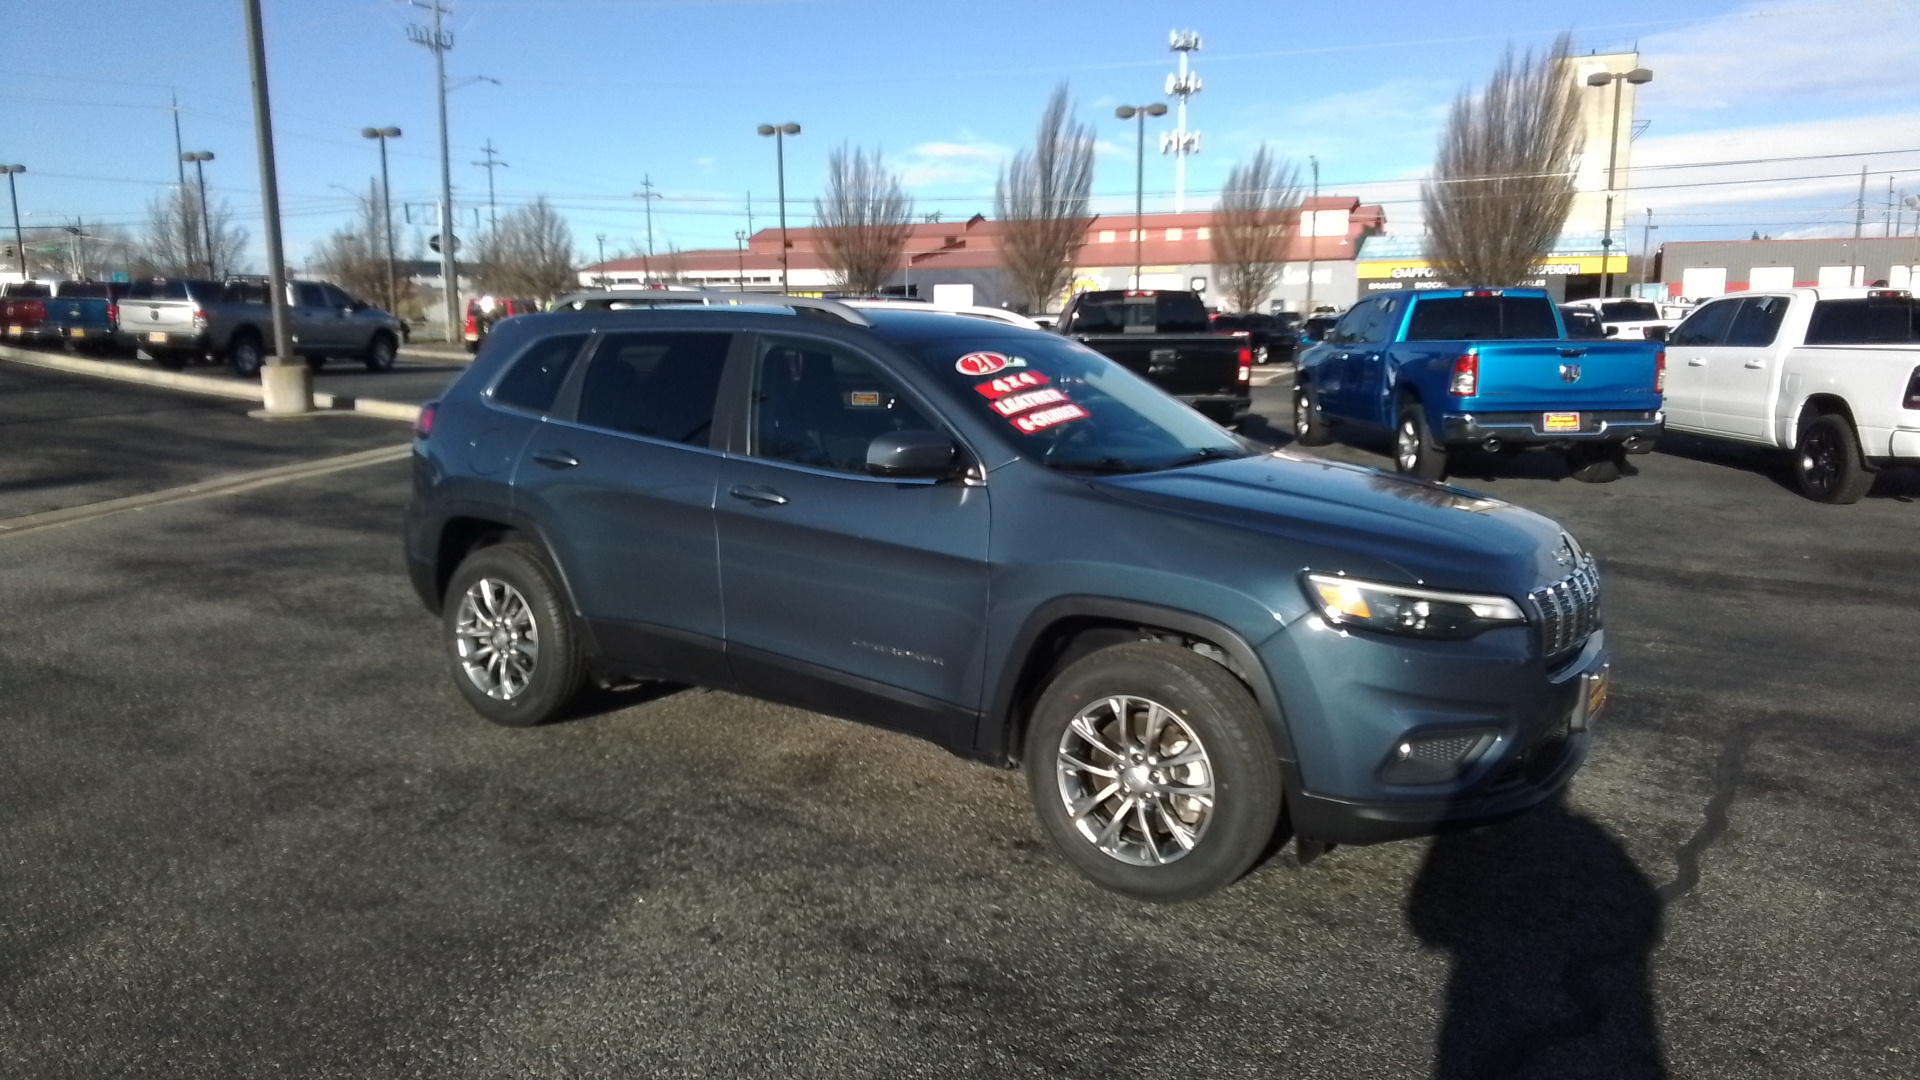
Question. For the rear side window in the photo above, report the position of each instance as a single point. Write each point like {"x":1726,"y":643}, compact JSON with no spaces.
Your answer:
{"x":534,"y":380}
{"x":1758,"y":321}
{"x":1482,"y":318}
{"x":1708,"y":326}
{"x":660,"y":385}
{"x":1893,"y":320}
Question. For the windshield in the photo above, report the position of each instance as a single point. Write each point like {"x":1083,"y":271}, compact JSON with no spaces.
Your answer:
{"x":1069,"y":408}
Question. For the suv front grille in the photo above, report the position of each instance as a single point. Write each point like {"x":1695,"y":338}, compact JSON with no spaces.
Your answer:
{"x":1569,"y":610}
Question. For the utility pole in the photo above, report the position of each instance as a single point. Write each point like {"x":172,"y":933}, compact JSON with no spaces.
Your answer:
{"x":646,"y":195}
{"x":438,"y":41}
{"x":1889,"y":231}
{"x":286,"y":384}
{"x":493,"y":162}
{"x":1313,"y":235}
{"x":1860,"y":208}
{"x":178,"y":149}
{"x":601,"y":278}
{"x":1180,"y":142}
{"x":749,"y":213}
{"x":13,"y":196}
{"x":740,"y":256}
{"x":1646,"y":248}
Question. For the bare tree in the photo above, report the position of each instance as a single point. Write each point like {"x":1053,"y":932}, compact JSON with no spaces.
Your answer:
{"x":1041,"y":200}
{"x":530,"y":255}
{"x":863,"y":222}
{"x":174,"y":244}
{"x":1504,"y":181}
{"x":1251,"y":227}
{"x":354,"y":257}
{"x":80,"y":250}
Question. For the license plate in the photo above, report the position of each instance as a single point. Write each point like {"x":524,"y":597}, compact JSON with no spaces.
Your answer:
{"x":16,"y":331}
{"x":157,"y":336}
{"x":1560,"y":421}
{"x":76,"y":333}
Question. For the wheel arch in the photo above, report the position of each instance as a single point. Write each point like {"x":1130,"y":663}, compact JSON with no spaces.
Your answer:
{"x":462,"y":534}
{"x":1066,"y":628}
{"x":1823,"y":405}
{"x":242,"y":332}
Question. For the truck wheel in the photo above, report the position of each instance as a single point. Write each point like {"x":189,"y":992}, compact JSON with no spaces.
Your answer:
{"x":509,"y":638}
{"x":1596,"y":464}
{"x":1153,"y":771}
{"x":1310,"y":428}
{"x":380,"y":353}
{"x":1826,"y":461}
{"x":1414,"y":451}
{"x":244,"y":356}
{"x":1260,"y":354}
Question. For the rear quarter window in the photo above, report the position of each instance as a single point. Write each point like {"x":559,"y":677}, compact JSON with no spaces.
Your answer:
{"x":533,"y":381}
{"x":1870,"y":321}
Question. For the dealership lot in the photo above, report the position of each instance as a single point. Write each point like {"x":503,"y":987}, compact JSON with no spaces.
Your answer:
{"x":248,"y":825}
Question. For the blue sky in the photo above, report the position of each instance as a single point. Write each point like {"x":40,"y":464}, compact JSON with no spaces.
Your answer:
{"x":596,"y":95}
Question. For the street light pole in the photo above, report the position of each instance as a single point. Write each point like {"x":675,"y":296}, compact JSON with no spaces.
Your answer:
{"x":286,"y":384}
{"x":1313,"y":237}
{"x":601,"y":278}
{"x":740,"y":256}
{"x":439,"y":41}
{"x":199,"y":158}
{"x":1139,"y":114}
{"x":1637,"y":76}
{"x":386,"y":211}
{"x":13,"y":196}
{"x":646,"y":195}
{"x":780,"y":133}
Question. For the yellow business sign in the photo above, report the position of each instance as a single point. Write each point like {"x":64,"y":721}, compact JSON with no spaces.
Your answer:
{"x":1551,"y":266}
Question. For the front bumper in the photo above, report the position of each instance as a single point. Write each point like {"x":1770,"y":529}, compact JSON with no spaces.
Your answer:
{"x":1638,"y":430}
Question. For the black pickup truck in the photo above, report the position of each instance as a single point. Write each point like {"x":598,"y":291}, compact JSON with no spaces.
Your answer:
{"x":1165,"y":336}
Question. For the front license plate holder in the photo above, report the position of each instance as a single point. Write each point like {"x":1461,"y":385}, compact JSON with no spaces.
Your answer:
{"x":1594,"y":687}
{"x":1560,"y":421}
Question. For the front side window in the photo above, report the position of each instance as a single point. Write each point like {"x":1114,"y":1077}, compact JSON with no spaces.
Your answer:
{"x":533,"y":382}
{"x":336,"y":298}
{"x":1708,"y":326}
{"x":1757,"y":322}
{"x":1065,"y":406}
{"x":310,"y":296}
{"x":1351,"y":325}
{"x":659,"y":385}
{"x":820,"y":405}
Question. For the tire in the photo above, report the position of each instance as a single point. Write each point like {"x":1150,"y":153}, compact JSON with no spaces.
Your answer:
{"x":1595,"y":465}
{"x":1310,"y":428}
{"x":1260,"y":355}
{"x":1194,"y":704}
{"x":1827,"y":463}
{"x":316,"y":364}
{"x":244,"y":355}
{"x":380,"y":353}
{"x":1414,"y":451}
{"x":508,"y":587}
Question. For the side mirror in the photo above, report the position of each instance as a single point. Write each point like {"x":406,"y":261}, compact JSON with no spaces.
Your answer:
{"x":1612,"y":330}
{"x":912,"y":455}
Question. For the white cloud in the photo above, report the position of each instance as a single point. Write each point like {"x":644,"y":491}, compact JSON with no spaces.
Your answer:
{"x":1834,"y":54}
{"x":966,"y":162}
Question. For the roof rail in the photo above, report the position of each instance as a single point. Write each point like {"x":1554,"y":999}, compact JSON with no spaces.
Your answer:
{"x":628,"y":299}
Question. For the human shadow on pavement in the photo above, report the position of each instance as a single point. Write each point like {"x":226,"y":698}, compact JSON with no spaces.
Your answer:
{"x":1550,"y":927}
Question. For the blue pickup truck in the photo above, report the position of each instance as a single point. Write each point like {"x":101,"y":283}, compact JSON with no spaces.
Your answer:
{"x":1448,"y":369}
{"x":85,"y":314}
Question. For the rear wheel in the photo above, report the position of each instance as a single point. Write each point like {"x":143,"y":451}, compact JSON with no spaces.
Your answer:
{"x":244,"y":355}
{"x":1153,"y":771}
{"x":1310,"y":428}
{"x":509,"y":637}
{"x":1827,"y":463}
{"x":1414,"y":451}
{"x":380,"y":353}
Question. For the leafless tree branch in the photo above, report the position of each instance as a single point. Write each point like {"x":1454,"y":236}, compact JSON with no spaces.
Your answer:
{"x":863,"y":221}
{"x":174,"y":244}
{"x":1251,"y":226}
{"x":1041,"y":201}
{"x":530,"y":255}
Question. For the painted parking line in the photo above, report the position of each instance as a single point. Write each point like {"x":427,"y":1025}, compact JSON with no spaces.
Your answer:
{"x":232,"y":484}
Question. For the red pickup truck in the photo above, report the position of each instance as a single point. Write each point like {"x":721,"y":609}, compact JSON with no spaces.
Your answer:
{"x":23,"y":311}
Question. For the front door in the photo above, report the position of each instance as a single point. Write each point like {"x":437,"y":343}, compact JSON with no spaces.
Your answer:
{"x":846,"y":592}
{"x":623,"y":486}
{"x":1691,"y":351}
{"x":1740,"y":376}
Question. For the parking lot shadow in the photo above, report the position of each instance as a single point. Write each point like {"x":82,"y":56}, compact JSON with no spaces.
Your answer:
{"x":1550,"y":927}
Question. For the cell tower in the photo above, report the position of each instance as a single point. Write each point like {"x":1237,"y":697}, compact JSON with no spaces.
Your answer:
{"x":1180,"y":142}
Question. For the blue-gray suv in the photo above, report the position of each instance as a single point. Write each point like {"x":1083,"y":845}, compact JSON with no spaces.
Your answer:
{"x":998,"y":540}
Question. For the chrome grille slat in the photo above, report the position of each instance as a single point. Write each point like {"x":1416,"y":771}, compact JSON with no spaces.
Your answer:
{"x":1569,"y":609}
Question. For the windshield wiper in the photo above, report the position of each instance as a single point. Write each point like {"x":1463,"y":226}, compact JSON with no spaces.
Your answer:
{"x":1106,"y":466}
{"x":1211,"y":453}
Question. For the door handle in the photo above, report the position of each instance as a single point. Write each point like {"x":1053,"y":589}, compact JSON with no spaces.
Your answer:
{"x":753,"y":493}
{"x":1571,"y":353}
{"x":1755,"y":364}
{"x":555,"y":459}
{"x":1696,"y":363}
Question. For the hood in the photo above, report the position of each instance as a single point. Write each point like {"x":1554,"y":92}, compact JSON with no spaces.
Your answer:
{"x":1365,"y":521}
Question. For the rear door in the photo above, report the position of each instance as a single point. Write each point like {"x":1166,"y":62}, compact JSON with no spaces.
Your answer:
{"x":1691,"y":350}
{"x":847,"y":592}
{"x":1740,"y":374}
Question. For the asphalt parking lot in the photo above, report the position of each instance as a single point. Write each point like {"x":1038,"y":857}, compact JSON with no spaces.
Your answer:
{"x":247,"y":826}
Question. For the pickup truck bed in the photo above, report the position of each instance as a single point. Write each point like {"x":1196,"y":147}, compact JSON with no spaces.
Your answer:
{"x":1164,"y":337}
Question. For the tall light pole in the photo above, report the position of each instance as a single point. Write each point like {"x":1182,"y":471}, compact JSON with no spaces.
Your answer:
{"x":780,"y":133}
{"x":601,"y":278}
{"x":740,"y":256}
{"x":1311,"y":217}
{"x":286,"y":384}
{"x":1138,"y":114}
{"x":1180,"y":142}
{"x":386,"y":210}
{"x":13,"y":195}
{"x":1646,"y":247}
{"x":1638,"y":76}
{"x":439,"y":41}
{"x":199,"y":159}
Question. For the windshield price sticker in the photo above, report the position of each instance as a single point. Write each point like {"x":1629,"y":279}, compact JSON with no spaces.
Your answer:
{"x":1046,"y":418}
{"x":1033,"y":399}
{"x":1007,"y":384}
{"x":986,"y":363}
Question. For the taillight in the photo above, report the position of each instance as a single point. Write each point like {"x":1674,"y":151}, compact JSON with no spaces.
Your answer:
{"x":423,"y":423}
{"x":1246,"y":364}
{"x":113,"y":315}
{"x":1466,"y":376}
{"x":1913,"y":391}
{"x":470,"y":328}
{"x":199,"y":318}
{"x":1660,"y":372}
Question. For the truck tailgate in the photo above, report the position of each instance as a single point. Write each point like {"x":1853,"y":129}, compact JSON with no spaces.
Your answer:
{"x":1190,"y":364}
{"x":1522,"y":375}
{"x":157,"y":316}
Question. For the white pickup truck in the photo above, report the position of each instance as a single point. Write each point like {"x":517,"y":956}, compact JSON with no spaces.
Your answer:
{"x":1831,"y":374}
{"x":1626,"y":318}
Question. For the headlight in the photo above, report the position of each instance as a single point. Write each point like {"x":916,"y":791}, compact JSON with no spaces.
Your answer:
{"x":1405,"y":609}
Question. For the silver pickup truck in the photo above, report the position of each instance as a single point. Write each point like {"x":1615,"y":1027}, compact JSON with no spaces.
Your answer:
{"x":175,"y":320}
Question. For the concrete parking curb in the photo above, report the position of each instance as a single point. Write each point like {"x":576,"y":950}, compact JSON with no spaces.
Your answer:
{"x":204,"y":384}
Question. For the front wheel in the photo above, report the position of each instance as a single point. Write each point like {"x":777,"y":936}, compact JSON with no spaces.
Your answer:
{"x":1827,"y":463}
{"x":1153,"y":771}
{"x":1414,"y":451}
{"x":380,"y":353}
{"x":1260,"y":355}
{"x":1310,"y":426}
{"x":244,"y":356}
{"x":509,"y":637}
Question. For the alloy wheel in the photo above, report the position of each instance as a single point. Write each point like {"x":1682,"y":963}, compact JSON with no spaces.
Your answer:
{"x":496,"y":639}
{"x":1820,"y":459}
{"x":1136,"y":782}
{"x":1407,"y":446}
{"x":1302,"y":412}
